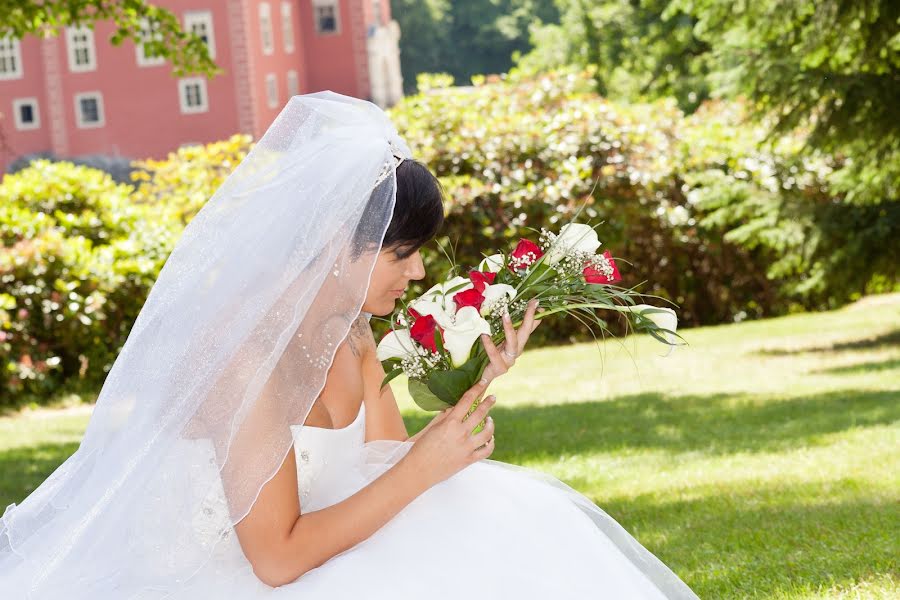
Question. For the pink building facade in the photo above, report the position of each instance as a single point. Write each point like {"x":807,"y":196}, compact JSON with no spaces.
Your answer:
{"x":76,"y":94}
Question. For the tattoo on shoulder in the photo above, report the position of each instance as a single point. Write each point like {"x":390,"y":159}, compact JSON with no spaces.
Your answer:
{"x":360,"y":336}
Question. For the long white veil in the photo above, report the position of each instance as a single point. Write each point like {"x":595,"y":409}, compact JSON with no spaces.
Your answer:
{"x":231,"y":347}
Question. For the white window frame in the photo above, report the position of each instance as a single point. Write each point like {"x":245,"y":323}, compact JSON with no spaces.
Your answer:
{"x":272,"y":90}
{"x":292,"y":83}
{"x":12,"y":50}
{"x":287,"y":27}
{"x":202,"y":17}
{"x":142,"y":59}
{"x":72,"y":49}
{"x":35,"y":111}
{"x":266,"y":31}
{"x":182,"y":96}
{"x":101,"y":115}
{"x":336,"y":6}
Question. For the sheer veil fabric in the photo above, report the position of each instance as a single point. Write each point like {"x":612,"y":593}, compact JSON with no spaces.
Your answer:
{"x":230,"y":348}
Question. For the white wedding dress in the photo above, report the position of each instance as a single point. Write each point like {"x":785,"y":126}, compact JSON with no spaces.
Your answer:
{"x":492,"y":530}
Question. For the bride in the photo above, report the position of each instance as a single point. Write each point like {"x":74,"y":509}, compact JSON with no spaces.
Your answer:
{"x":242,"y":445}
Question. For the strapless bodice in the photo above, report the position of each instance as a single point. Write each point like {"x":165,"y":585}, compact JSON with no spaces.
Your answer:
{"x":323,"y":455}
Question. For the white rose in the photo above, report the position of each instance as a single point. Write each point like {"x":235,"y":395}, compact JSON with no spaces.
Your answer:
{"x":493,"y":263}
{"x":495,"y":293}
{"x":572,"y":238}
{"x":662,"y":317}
{"x":396,"y":344}
{"x":462,"y":333}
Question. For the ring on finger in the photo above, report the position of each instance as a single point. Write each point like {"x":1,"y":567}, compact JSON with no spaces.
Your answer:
{"x":508,"y":354}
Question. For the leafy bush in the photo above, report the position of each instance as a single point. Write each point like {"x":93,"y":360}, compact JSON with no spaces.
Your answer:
{"x":77,"y":261}
{"x":522,"y":154}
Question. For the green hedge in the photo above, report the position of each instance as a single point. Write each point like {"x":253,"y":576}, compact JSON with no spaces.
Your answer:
{"x":691,"y":203}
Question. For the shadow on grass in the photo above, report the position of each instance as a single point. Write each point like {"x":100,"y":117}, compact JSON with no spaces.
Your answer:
{"x":884,"y":365}
{"x":754,"y":543}
{"x":891,"y":338}
{"x":22,"y":469}
{"x":714,"y":424}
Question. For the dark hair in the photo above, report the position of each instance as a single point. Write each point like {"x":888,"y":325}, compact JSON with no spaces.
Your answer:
{"x":417,"y":216}
{"x":418,"y":211}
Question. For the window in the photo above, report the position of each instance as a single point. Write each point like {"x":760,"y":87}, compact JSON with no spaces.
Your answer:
{"x":146,"y":57}
{"x":82,"y":55}
{"x":326,"y":16}
{"x":272,"y":90}
{"x":287,"y":27}
{"x":10,"y":58}
{"x":265,"y":28}
{"x":192,"y":95}
{"x":25,"y":112}
{"x":293,"y":84}
{"x":200,"y":23}
{"x":89,"y":110}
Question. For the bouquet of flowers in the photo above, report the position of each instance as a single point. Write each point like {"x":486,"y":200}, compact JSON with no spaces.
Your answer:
{"x":432,"y":338}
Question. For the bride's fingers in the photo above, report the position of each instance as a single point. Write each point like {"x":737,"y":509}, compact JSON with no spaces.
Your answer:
{"x":500,"y":366}
{"x":481,"y":438}
{"x":459,"y":410}
{"x":528,"y":325}
{"x":512,"y":336}
{"x":480,"y":412}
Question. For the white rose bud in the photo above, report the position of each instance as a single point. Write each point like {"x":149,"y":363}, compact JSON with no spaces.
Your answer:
{"x":573,"y":238}
{"x":493,"y":263}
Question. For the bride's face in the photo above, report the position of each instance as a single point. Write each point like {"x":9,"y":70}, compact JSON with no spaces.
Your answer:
{"x":390,"y":277}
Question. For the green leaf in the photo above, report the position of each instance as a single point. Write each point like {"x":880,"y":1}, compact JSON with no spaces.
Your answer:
{"x":449,"y":386}
{"x":425,"y":398}
{"x":392,"y":374}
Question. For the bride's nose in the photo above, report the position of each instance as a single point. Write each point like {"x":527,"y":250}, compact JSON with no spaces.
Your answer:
{"x":415,"y":268}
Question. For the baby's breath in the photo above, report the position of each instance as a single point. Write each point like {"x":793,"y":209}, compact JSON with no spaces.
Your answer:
{"x":546,"y":239}
{"x":520,"y":263}
{"x":602,"y":264}
{"x":496,"y":307}
{"x":419,"y":366}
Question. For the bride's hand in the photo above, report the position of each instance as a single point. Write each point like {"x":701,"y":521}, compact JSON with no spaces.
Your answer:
{"x":504,"y":358}
{"x":447,"y":444}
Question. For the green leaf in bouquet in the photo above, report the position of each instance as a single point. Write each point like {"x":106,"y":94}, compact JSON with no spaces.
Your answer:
{"x":449,"y":386}
{"x":438,"y":341}
{"x":424,"y":397}
{"x":390,"y":375}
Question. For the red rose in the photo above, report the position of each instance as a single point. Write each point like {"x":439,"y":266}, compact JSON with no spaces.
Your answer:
{"x":481,"y":278}
{"x":592,"y":275}
{"x":525,"y":255}
{"x":469,"y":297}
{"x":423,"y":332}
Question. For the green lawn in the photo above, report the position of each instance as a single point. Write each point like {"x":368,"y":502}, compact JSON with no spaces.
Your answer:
{"x":762,"y":461}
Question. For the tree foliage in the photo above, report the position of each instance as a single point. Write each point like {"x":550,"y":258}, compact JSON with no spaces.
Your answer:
{"x":466,"y":38}
{"x":636,"y":49}
{"x":829,"y":66}
{"x":186,"y":52}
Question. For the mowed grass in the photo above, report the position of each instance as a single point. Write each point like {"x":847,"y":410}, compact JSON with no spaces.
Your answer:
{"x":760,"y":461}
